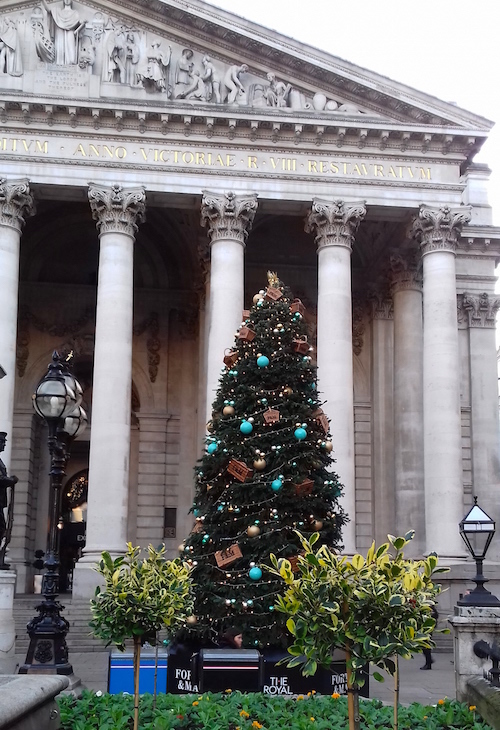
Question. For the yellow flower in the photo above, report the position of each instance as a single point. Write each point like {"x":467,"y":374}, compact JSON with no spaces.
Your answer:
{"x":228,"y":691}
{"x":440,"y":702}
{"x":256,"y":724}
{"x":335,"y":696}
{"x":472,"y":708}
{"x":425,"y":717}
{"x":300,"y":697}
{"x":312,"y":719}
{"x":244,"y":713}
{"x":313,"y":691}
{"x":195,"y":703}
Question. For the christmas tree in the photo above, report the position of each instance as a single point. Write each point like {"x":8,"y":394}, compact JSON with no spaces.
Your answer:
{"x":264,"y":474}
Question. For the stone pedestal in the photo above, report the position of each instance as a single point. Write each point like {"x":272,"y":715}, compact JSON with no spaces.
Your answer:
{"x":7,"y":628}
{"x":29,"y":702}
{"x":471,"y":625}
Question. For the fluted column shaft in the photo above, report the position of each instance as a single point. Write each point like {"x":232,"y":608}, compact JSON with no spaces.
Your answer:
{"x":438,"y":230}
{"x":117,"y":213}
{"x":408,"y":400}
{"x":480,"y":311}
{"x":16,"y":203}
{"x":334,"y":224}
{"x":229,"y":219}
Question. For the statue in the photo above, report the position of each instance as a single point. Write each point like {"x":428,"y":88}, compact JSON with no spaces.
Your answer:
{"x":156,"y":71}
{"x":121,"y":59}
{"x":184,"y":67}
{"x":232,"y":83}
{"x":196,"y":89}
{"x":277,"y":92}
{"x":6,"y":483}
{"x":10,"y":49}
{"x":86,"y":56}
{"x":66,"y":25}
{"x":211,"y":80}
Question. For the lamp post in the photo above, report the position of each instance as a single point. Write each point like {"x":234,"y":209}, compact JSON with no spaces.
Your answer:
{"x":477,"y":530}
{"x":57,"y":400}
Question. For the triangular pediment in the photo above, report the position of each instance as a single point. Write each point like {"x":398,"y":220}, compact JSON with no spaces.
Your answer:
{"x":181,"y":57}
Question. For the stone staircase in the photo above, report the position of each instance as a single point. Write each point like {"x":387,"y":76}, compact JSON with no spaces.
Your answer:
{"x":76,"y":612}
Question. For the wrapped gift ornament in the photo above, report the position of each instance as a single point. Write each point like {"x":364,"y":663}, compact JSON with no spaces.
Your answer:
{"x":296,"y":307}
{"x":301,"y":345}
{"x":239,"y":470}
{"x":246,"y":334}
{"x":230,"y":357}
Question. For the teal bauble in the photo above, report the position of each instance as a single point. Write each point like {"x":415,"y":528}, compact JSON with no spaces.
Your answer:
{"x":212,"y":448}
{"x":255,"y":573}
{"x":262,"y":361}
{"x":300,"y":434}
{"x":246,"y":428}
{"x":276,"y":485}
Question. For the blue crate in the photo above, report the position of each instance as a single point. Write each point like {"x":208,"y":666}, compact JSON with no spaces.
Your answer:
{"x":121,"y":672}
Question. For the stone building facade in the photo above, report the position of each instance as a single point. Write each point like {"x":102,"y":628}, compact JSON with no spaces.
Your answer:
{"x":157,"y":158}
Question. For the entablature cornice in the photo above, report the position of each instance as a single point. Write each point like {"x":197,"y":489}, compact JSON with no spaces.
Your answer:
{"x":253,"y":125}
{"x":480,"y":241}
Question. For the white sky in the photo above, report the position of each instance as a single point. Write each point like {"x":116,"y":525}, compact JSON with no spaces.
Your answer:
{"x":446,"y":48}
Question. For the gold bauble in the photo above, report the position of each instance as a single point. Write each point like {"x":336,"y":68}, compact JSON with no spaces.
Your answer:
{"x":192,"y":620}
{"x":228,"y":411}
{"x":287,"y":391}
{"x":253,"y":530}
{"x":210,"y":427}
{"x":181,"y":547}
{"x":259,"y":464}
{"x":328,"y":445}
{"x":257,"y":298}
{"x":318,"y":525}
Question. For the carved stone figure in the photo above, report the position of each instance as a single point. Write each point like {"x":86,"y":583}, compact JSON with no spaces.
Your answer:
{"x":277,"y":92}
{"x":232,"y":83}
{"x":211,"y":80}
{"x":86,"y":55}
{"x":66,"y":26}
{"x":44,"y":45}
{"x":6,"y":483}
{"x":184,"y":67}
{"x":10,"y":49}
{"x":196,"y":89}
{"x":121,"y":59}
{"x":155,"y":74}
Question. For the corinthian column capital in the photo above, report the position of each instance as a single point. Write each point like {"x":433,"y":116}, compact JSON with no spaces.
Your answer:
{"x":16,"y":203}
{"x":117,"y":210}
{"x":334,"y":223}
{"x":438,"y":229}
{"x":405,"y":272}
{"x":228,"y":215}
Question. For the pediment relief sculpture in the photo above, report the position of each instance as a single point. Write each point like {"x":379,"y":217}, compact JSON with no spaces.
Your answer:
{"x":129,"y":61}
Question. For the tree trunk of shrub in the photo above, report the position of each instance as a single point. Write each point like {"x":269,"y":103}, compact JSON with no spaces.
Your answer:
{"x":137,"y":665}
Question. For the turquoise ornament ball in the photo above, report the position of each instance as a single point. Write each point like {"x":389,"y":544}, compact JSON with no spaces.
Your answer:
{"x":212,"y":448}
{"x":276,"y":485}
{"x":246,"y":427}
{"x":300,"y":434}
{"x":255,"y":573}
{"x":262,"y":361}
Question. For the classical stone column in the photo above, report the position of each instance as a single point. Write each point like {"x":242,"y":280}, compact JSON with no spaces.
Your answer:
{"x":479,"y":311}
{"x":437,"y":230}
{"x":408,"y":398}
{"x":334,"y":225}
{"x":229,"y":219}
{"x":117,"y":212}
{"x":382,"y":385}
{"x":16,"y":203}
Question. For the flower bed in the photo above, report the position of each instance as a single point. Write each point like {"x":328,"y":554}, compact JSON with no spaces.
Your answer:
{"x":235,"y":711}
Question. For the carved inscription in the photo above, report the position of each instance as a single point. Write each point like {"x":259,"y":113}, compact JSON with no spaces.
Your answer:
{"x":223,"y":159}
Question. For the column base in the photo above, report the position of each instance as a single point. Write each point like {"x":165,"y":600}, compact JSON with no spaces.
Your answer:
{"x":7,"y":626}
{"x":85,"y":578}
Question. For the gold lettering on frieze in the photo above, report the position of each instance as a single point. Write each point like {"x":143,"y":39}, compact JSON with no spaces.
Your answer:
{"x":214,"y":159}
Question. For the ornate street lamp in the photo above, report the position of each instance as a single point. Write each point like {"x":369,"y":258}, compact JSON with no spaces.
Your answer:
{"x":477,"y":530}
{"x":57,"y":400}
